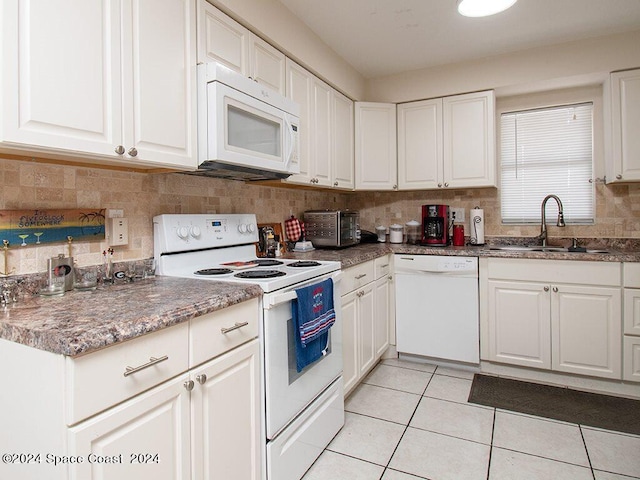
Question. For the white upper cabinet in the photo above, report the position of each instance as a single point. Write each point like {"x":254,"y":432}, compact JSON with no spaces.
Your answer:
{"x":375,"y":146}
{"x":108,"y":81}
{"x":326,"y":131}
{"x":469,"y":140}
{"x":622,"y":124}
{"x":420,"y":145}
{"x":342,"y":141}
{"x":223,"y":40}
{"x":447,"y":142}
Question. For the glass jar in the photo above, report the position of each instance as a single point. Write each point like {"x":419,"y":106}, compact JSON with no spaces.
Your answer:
{"x":395,"y":233}
{"x":412,"y":229}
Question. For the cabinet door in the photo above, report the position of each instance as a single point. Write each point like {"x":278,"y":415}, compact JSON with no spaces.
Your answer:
{"x":61,"y":75}
{"x":375,"y":146}
{"x":420,"y":154}
{"x":366,"y":329}
{"x":299,"y":90}
{"x":586,"y":330}
{"x":145,"y":437}
{"x":382,"y":313}
{"x":321,"y":137}
{"x":159,"y":82}
{"x":519,"y":323}
{"x":469,"y":140}
{"x":342,"y":141}
{"x":350,"y":341}
{"x":226,"y":416}
{"x":221,"y":39}
{"x":267,"y":65}
{"x":632,"y":311}
{"x":623,"y":123}
{"x":631,"y":359}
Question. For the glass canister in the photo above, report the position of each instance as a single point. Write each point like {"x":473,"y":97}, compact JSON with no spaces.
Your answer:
{"x":395,"y":233}
{"x":412,"y":229}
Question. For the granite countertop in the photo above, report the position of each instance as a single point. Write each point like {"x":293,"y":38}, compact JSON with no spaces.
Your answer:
{"x":363,"y":252}
{"x":81,"y":322}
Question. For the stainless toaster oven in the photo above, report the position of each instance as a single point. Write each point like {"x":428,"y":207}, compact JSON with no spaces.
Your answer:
{"x":331,"y":228}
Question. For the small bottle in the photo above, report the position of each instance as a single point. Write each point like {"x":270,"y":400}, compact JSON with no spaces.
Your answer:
{"x":271,"y":246}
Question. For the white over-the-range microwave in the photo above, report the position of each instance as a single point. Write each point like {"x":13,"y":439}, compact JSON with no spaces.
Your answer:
{"x":245,"y":130}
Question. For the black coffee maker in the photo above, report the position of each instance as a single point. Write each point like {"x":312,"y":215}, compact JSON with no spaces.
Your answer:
{"x":435,"y":225}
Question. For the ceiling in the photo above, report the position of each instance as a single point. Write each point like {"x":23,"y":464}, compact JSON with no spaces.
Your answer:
{"x":384,"y":37}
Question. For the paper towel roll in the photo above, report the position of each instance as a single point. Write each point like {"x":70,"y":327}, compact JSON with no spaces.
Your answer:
{"x":476,"y":235}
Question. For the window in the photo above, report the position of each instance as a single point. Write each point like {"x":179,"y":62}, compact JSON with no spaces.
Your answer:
{"x":544,"y":151}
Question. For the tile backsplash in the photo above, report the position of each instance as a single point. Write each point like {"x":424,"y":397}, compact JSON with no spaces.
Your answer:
{"x":26,"y":185}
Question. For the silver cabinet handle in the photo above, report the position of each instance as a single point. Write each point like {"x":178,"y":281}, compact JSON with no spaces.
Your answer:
{"x":446,"y":184}
{"x":555,"y":289}
{"x":335,"y":184}
{"x":201,"y":378}
{"x":395,"y":187}
{"x":152,"y":361}
{"x":384,"y":266}
{"x":119,"y":150}
{"x":389,"y":277}
{"x":619,"y":177}
{"x":546,"y":289}
{"x":189,"y":385}
{"x":235,"y":327}
{"x":358,"y":277}
{"x":439,"y":185}
{"x":133,"y":152}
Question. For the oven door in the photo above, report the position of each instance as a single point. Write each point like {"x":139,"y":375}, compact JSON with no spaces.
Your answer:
{"x":287,"y":391}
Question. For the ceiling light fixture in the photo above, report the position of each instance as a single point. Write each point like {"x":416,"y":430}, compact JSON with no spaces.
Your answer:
{"x":483,"y":8}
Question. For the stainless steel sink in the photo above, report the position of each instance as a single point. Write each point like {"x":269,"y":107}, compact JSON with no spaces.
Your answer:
{"x":522,"y":248}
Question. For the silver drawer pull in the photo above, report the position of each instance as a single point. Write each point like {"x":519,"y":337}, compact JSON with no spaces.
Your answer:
{"x":235,"y":327}
{"x":384,"y":266}
{"x":152,"y":361}
{"x":358,"y":277}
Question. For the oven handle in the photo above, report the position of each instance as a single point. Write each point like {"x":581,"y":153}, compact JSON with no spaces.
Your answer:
{"x":274,"y":301}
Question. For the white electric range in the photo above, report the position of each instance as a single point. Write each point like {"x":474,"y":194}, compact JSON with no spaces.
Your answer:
{"x":303,"y":410}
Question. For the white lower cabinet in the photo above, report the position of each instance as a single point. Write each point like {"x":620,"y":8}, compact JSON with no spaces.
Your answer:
{"x":631,"y":343}
{"x":565,"y":316}
{"x":366,"y":313}
{"x":180,"y":403}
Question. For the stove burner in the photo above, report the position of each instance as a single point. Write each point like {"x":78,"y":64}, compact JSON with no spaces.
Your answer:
{"x":304,"y":263}
{"x":213,"y":271}
{"x":267,"y":262}
{"x":260,"y":274}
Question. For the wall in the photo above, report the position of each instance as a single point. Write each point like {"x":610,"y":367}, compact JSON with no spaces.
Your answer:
{"x":571,"y":64}
{"x":26,"y":185}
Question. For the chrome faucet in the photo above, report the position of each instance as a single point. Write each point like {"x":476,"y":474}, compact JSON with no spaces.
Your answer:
{"x":543,"y":223}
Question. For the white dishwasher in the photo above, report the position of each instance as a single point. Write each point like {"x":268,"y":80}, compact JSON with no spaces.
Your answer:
{"x":437,"y":307}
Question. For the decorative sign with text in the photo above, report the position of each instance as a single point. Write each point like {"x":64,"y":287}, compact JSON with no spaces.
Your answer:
{"x":34,"y":227}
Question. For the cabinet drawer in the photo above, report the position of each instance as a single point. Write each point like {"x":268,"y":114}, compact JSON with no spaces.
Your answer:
{"x":357,"y":276}
{"x":207,"y":337}
{"x":631,"y":367}
{"x":97,"y":381}
{"x":382,"y":266}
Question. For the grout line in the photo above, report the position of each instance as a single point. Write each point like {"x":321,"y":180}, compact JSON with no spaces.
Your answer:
{"x":544,"y":458}
{"x":584,"y":442}
{"x":493,"y":432}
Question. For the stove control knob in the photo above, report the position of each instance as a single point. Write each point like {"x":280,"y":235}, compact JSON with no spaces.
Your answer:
{"x":242,"y":228}
{"x":183,"y":232}
{"x":195,"y":231}
{"x":251,"y":227}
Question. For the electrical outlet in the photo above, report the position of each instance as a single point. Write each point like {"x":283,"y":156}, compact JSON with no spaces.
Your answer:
{"x":117,"y":231}
{"x":115,"y":213}
{"x":459,"y":214}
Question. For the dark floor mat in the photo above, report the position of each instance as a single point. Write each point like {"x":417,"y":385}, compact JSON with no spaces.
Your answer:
{"x":584,"y":408}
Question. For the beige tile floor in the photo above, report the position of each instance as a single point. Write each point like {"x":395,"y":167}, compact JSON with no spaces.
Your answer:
{"x":411,"y":421}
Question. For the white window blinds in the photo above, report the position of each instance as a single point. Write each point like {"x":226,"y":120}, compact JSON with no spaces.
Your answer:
{"x":546,"y":151}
